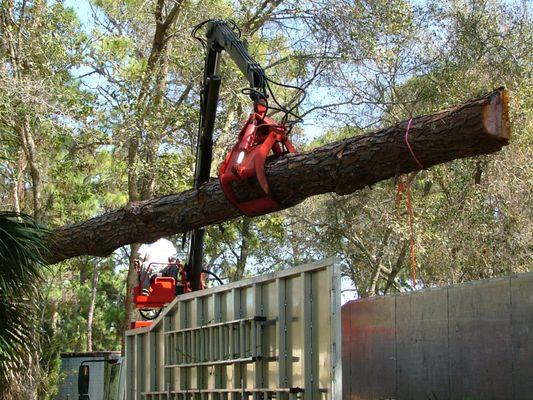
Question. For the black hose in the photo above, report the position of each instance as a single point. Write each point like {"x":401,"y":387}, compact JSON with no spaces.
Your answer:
{"x":205,"y":271}
{"x":150,"y":314}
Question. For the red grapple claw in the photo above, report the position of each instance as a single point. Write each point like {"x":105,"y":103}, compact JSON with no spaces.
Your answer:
{"x":260,"y":138}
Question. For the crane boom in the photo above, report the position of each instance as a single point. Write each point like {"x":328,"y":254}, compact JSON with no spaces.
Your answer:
{"x":220,"y":36}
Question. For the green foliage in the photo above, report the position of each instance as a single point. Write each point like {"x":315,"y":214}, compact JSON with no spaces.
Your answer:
{"x":21,"y":258}
{"x":472,"y":217}
{"x":68,"y":294}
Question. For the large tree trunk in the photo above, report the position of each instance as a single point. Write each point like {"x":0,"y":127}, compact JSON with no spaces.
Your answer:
{"x":141,"y":176}
{"x":479,"y":126}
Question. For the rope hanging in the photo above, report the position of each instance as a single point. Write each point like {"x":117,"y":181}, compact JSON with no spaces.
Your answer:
{"x":409,"y":144}
{"x":408,"y":203}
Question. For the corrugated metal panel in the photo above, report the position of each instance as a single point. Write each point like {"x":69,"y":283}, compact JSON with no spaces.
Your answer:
{"x":70,"y":364}
{"x":274,"y":336}
{"x":473,"y":340}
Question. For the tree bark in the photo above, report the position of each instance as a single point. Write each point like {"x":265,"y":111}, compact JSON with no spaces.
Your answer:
{"x":478,"y":126}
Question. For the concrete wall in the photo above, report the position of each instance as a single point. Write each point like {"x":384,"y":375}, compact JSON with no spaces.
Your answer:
{"x":469,"y":341}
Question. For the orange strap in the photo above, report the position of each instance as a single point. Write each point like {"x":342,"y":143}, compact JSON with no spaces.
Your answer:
{"x":409,"y":207}
{"x":408,"y":203}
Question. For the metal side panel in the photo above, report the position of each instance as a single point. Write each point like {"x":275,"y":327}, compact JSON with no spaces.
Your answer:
{"x":369,"y":349}
{"x":422,"y":339}
{"x":472,"y":340}
{"x":480,"y":340}
{"x":522,"y":335}
{"x":273,"y":336}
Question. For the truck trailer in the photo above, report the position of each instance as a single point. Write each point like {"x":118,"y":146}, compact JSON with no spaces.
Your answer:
{"x":280,"y":336}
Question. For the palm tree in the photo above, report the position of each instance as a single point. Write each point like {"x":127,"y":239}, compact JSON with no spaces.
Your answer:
{"x":21,"y":256}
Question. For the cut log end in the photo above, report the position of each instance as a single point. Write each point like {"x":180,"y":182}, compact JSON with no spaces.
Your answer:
{"x":496,"y":115}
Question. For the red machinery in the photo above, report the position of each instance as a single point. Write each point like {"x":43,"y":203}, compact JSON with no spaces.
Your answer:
{"x":259,"y":138}
{"x":162,"y":290}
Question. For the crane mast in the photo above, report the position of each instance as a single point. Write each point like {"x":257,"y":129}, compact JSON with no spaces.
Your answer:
{"x":220,"y":36}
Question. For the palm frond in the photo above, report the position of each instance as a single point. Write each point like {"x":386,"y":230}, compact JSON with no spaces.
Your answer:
{"x":21,"y":258}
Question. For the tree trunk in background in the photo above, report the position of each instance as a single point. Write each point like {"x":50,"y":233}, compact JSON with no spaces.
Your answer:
{"x":30,"y":150}
{"x":243,"y":254}
{"x":141,"y":181}
{"x":479,"y":126}
{"x":397,"y":267}
{"x":131,"y":281}
{"x":90,"y":314}
{"x":11,"y":31}
{"x":18,"y":179}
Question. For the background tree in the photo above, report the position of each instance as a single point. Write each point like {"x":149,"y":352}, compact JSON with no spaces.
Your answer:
{"x":469,"y":223}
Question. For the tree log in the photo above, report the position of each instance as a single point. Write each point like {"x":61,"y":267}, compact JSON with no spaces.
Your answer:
{"x":478,"y":126}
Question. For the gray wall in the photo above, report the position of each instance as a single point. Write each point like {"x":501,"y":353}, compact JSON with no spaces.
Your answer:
{"x":469,"y":341}
{"x":68,"y":380}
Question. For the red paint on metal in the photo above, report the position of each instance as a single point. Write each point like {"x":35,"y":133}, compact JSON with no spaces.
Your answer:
{"x":140,"y":324}
{"x":162,"y":291}
{"x":260,"y":137}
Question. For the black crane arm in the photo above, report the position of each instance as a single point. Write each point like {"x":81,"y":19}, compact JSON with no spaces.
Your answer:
{"x":220,"y":36}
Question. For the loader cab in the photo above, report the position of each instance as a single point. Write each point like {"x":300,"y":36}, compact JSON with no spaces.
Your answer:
{"x":163,"y":288}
